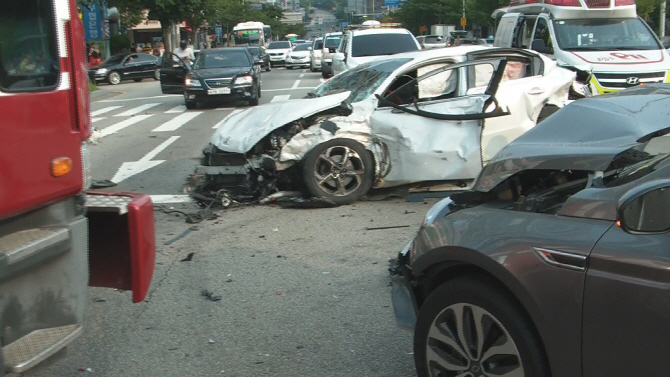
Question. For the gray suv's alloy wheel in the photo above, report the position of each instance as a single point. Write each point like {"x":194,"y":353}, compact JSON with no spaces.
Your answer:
{"x":469,"y":328}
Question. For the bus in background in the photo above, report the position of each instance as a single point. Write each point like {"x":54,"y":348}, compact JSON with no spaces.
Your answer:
{"x":267,"y":30}
{"x":250,"y":33}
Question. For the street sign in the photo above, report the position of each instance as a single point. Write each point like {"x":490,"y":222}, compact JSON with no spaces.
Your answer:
{"x":464,"y":21}
{"x":391,"y":3}
{"x":92,"y":23}
{"x":218,"y":30}
{"x":320,"y":21}
{"x":423,"y":28}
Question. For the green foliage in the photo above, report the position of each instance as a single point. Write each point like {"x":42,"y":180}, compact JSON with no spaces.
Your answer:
{"x":119,"y":43}
{"x":415,"y":13}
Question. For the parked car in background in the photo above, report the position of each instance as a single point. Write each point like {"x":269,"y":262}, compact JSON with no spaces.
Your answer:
{"x":315,"y":55}
{"x":218,"y":74}
{"x":299,"y":57}
{"x":330,"y":43}
{"x":259,"y":54}
{"x":561,"y":244}
{"x":429,"y":42}
{"x":298,"y":41}
{"x":414,"y":117}
{"x":278,"y":51}
{"x":363,"y":45}
{"x":135,"y":66}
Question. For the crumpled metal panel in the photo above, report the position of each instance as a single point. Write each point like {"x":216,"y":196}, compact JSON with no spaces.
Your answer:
{"x":423,"y":149}
{"x":356,"y":126}
{"x":586,"y":135}
{"x":240,"y":132}
{"x":525,"y":98}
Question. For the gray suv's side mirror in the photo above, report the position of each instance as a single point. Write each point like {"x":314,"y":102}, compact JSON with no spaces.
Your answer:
{"x":648,"y":211}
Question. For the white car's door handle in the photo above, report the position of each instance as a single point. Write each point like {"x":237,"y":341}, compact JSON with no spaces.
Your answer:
{"x":536,"y":91}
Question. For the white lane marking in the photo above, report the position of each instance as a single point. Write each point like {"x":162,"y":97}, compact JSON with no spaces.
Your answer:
{"x":282,"y":90}
{"x":176,"y":109}
{"x":301,"y":75}
{"x":165,"y":199}
{"x":237,"y":111}
{"x":227,"y":108}
{"x":93,"y":120}
{"x":296,"y":84}
{"x":128,"y":169}
{"x":121,"y":125}
{"x":137,"y":110}
{"x":322,"y":80}
{"x":139,"y":98}
{"x":281,"y":97}
{"x":104,"y":110}
{"x":176,"y":122}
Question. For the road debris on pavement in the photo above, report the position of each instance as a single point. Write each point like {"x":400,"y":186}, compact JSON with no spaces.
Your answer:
{"x":210,"y":295}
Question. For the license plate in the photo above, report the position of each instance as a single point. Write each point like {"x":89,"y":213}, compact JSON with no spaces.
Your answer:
{"x":219,"y":91}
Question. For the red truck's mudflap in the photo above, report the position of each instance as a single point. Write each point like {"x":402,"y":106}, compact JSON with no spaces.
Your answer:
{"x":122,"y":242}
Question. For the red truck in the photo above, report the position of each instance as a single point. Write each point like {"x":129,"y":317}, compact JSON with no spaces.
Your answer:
{"x":56,"y":236}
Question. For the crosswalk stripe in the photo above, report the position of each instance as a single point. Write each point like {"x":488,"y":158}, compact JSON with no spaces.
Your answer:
{"x":123,"y":124}
{"x":176,"y":122}
{"x":105,"y":110}
{"x":237,"y":111}
{"x":137,"y":110}
{"x":176,"y":109}
{"x":93,"y":120}
{"x":281,"y":97}
{"x":165,"y":199}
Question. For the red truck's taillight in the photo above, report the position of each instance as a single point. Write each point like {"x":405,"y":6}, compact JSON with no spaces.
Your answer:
{"x":80,"y":101}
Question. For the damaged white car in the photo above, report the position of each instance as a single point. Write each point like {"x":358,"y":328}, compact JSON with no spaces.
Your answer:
{"x":432,"y":116}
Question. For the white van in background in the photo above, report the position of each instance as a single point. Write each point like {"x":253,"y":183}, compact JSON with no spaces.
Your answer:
{"x":603,"y":36}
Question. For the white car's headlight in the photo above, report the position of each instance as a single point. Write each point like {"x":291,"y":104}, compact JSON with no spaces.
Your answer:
{"x":244,"y":80}
{"x":191,"y":82}
{"x":101,"y":71}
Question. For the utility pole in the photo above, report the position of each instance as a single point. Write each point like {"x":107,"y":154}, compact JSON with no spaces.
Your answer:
{"x":662,"y":23}
{"x":463,"y":13}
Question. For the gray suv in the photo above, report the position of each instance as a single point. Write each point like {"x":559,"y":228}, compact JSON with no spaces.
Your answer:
{"x":557,"y":261}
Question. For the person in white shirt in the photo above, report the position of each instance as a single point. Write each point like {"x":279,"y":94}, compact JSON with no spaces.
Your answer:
{"x":184,"y":53}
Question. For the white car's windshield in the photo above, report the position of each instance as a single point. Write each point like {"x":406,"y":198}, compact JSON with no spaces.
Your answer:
{"x":362,"y":80}
{"x":302,"y":47}
{"x":604,"y":34}
{"x":382,"y":44}
{"x":279,"y":45}
{"x":332,"y":42}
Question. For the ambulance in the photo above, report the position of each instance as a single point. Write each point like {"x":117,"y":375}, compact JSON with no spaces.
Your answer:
{"x":604,"y":37}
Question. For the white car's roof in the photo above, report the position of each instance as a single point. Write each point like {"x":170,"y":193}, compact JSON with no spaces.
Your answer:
{"x":380,"y":31}
{"x":336,"y":34}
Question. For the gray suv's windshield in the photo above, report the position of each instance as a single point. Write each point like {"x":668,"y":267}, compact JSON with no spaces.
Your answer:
{"x":362,"y":80}
{"x":602,"y":34}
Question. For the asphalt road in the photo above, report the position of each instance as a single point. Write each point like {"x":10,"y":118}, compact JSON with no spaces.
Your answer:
{"x":304,"y":292}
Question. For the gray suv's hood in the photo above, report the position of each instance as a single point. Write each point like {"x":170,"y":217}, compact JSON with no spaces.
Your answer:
{"x":585,"y":135}
{"x":240,"y":132}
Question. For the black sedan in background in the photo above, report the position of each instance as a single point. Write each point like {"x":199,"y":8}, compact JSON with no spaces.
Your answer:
{"x":218,"y":74}
{"x":261,"y":55}
{"x":136,"y":66}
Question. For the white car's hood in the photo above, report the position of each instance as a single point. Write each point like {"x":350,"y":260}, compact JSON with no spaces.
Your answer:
{"x":240,"y":132}
{"x":279,"y":50}
{"x":299,"y":54}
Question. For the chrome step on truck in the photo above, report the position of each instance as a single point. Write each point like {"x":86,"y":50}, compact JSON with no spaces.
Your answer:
{"x":49,"y":256}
